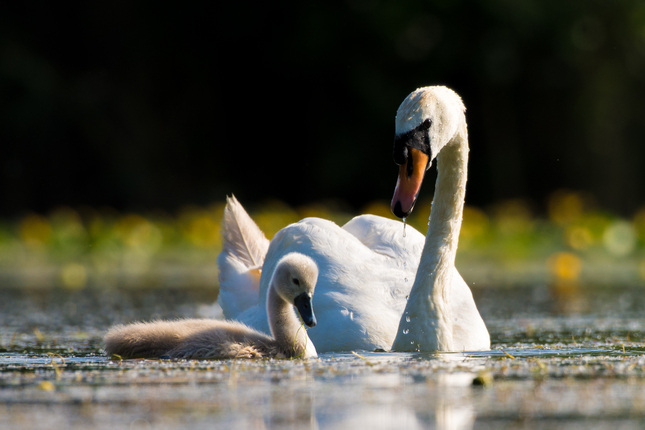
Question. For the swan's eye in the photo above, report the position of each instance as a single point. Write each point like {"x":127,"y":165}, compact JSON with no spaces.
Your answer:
{"x":427,"y":123}
{"x":296,"y":281}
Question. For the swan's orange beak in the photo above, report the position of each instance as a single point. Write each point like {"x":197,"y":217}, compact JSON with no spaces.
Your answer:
{"x":409,"y":183}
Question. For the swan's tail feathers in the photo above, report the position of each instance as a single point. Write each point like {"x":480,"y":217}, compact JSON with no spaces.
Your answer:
{"x":244,"y":247}
{"x":241,"y":236}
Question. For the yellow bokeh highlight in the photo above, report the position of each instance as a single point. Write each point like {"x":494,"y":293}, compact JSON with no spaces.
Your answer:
{"x":84,"y":245}
{"x":274,"y":216}
{"x":66,"y":217}
{"x":639,"y":223}
{"x":200,"y":227}
{"x":513,"y":216}
{"x":68,"y":231}
{"x":420,"y":216}
{"x":204,"y":232}
{"x":565,"y":206}
{"x":475,"y":223}
{"x":378,"y":207}
{"x":578,"y":237}
{"x":330,"y":211}
{"x":136,"y":231}
{"x":565,"y":266}
{"x":73,"y":276}
{"x":35,"y":230}
{"x":641,"y":269}
{"x":46,"y":386}
{"x":619,"y":238}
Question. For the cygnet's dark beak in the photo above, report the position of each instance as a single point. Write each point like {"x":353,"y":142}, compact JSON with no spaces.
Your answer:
{"x":305,"y":309}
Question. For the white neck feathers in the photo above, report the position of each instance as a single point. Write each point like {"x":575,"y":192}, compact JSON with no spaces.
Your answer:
{"x":426,"y":324}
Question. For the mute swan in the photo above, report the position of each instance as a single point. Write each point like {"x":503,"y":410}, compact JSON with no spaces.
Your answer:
{"x":292,"y":284}
{"x":431,"y":123}
{"x":367,"y":266}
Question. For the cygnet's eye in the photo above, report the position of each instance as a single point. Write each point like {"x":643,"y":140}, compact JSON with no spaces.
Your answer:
{"x":296,"y":281}
{"x":427,"y":123}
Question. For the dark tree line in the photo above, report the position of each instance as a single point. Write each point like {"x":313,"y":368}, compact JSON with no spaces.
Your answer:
{"x":142,"y":104}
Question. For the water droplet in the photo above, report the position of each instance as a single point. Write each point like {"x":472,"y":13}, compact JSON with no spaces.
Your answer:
{"x":406,"y":331}
{"x":407,"y":297}
{"x":404,"y":224}
{"x":412,"y":343}
{"x":405,"y":279}
{"x":407,"y":318}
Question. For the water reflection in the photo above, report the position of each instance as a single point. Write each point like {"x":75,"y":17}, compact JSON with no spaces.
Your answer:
{"x":455,"y":417}
{"x":459,"y":413}
{"x":567,"y":297}
{"x":541,"y":349}
{"x":374,"y":400}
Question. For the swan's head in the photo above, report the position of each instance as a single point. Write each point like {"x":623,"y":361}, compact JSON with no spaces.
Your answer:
{"x":294,"y":279}
{"x":426,"y":121}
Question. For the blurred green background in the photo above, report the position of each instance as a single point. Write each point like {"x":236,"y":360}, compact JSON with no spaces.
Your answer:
{"x":124,"y":124}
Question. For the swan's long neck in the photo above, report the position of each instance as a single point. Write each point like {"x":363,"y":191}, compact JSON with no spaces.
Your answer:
{"x":286,"y":327}
{"x":426,"y":324}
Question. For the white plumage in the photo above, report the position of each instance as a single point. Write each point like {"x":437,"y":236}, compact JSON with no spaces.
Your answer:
{"x":367,"y":267}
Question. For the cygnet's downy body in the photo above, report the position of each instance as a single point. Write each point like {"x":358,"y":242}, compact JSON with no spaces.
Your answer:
{"x":292,"y":284}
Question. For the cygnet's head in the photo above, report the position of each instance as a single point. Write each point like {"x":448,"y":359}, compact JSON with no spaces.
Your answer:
{"x":295,"y":279}
{"x":426,"y":121}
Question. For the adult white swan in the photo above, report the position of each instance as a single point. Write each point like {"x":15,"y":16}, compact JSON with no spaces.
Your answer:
{"x":369,"y":268}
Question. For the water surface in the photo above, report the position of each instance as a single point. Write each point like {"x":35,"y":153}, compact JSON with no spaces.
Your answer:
{"x":571,"y":358}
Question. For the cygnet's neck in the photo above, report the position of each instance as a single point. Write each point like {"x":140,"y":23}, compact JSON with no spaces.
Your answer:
{"x":426,"y":324}
{"x":286,"y":327}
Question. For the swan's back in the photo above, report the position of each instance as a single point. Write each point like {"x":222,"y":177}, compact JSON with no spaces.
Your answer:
{"x":386,"y":236}
{"x":363,"y":268}
{"x":367,"y":269}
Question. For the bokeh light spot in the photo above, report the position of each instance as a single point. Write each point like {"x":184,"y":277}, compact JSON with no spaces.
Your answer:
{"x":73,"y":276}
{"x":565,"y":266}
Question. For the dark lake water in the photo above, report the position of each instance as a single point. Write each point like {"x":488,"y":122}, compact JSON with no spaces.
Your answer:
{"x":564,"y":356}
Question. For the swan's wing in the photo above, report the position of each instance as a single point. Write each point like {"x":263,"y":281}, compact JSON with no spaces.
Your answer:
{"x":361,"y":290}
{"x":241,"y":236}
{"x":386,"y":236}
{"x":244,"y":248}
{"x":256,"y":317}
{"x":469,"y":330}
{"x":238,"y":286}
